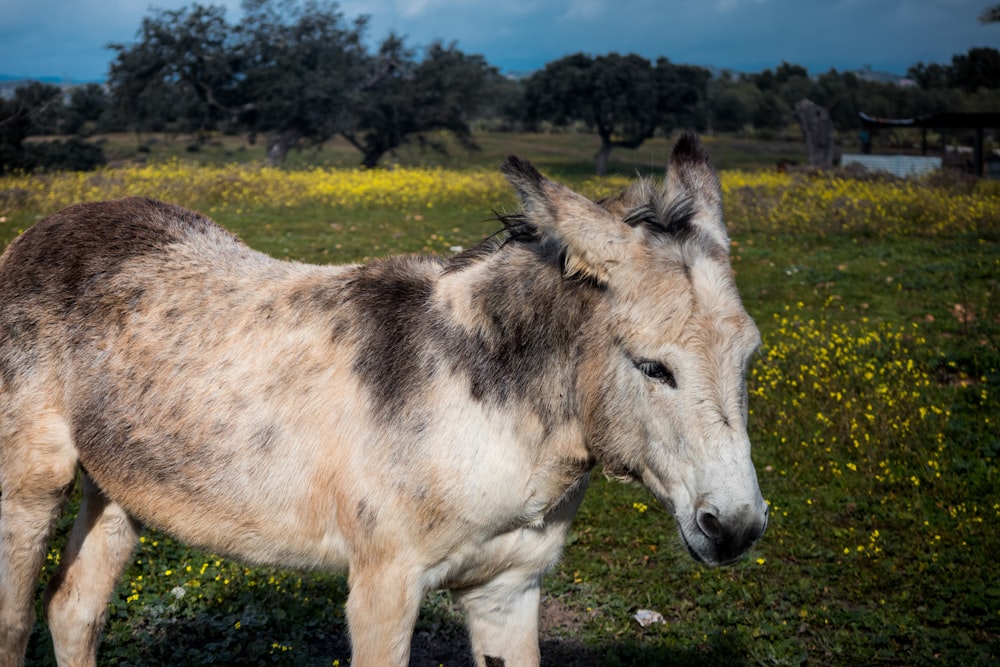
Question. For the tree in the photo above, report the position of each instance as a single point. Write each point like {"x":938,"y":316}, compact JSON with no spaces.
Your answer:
{"x":614,"y":95}
{"x":731,"y":104}
{"x":774,"y":81}
{"x":305,"y":71}
{"x":15,"y":125}
{"x":840,"y":94}
{"x":795,"y":88}
{"x":36,"y":109}
{"x":922,"y":102}
{"x":295,"y":71}
{"x":43,"y":103}
{"x":979,"y":68}
{"x":682,"y":96}
{"x":289,"y":70}
{"x":441,"y":92}
{"x":990,"y":15}
{"x":184,"y":55}
{"x":770,"y":112}
{"x":86,"y":108}
{"x":74,"y":154}
{"x":930,"y":76}
{"x":502,"y":105}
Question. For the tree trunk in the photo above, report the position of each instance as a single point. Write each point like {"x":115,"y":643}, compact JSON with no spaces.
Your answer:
{"x":371,"y":158}
{"x":277,"y":151}
{"x":371,"y":153}
{"x":603,"y":154}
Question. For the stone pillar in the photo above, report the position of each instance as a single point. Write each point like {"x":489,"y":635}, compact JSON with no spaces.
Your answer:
{"x":817,"y":128}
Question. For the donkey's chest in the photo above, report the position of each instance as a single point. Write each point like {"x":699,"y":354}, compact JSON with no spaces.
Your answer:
{"x":532,"y":542}
{"x":464,"y":517}
{"x":501,"y":521}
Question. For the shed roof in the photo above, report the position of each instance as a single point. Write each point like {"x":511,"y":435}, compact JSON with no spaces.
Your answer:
{"x":947,"y":119}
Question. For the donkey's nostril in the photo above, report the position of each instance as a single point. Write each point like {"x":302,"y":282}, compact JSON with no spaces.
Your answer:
{"x":709,"y":524}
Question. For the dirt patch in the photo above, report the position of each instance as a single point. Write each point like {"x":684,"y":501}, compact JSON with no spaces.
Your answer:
{"x":557,"y":619}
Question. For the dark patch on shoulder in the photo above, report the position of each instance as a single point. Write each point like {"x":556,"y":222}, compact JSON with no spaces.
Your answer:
{"x":493,"y":661}
{"x":391,"y":298}
{"x":530,"y":347}
{"x":323,"y":296}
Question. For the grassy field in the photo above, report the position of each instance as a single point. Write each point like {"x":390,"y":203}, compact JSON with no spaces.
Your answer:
{"x":875,"y":404}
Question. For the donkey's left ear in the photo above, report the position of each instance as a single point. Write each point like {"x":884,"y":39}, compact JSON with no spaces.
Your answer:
{"x":691,"y":179}
{"x":593,"y":238}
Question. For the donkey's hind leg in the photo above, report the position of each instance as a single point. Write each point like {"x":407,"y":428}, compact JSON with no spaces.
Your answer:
{"x":76,"y":600}
{"x":37,"y":471}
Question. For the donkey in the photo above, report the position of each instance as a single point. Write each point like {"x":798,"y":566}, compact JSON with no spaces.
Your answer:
{"x":422,"y":422}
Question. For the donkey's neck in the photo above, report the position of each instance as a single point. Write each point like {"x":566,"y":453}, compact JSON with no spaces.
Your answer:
{"x":520,"y":322}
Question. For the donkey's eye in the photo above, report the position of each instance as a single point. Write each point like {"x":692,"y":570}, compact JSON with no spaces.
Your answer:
{"x":654,"y":370}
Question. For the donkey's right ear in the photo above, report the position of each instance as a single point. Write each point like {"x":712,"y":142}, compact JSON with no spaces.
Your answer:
{"x":593,"y":238}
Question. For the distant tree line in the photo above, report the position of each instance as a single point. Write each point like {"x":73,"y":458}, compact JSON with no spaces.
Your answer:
{"x":39,"y":109}
{"x":297,"y":72}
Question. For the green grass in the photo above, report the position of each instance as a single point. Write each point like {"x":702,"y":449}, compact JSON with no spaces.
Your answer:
{"x":875,"y":405}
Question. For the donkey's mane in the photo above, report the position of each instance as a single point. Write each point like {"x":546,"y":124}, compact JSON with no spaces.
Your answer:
{"x":668,"y":220}
{"x":515,"y":229}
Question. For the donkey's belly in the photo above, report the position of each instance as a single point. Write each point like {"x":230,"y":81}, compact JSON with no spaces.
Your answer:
{"x":236,"y":472}
{"x":274,"y":522}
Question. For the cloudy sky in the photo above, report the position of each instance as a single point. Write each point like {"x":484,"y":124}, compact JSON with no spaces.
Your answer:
{"x":66,"y":38}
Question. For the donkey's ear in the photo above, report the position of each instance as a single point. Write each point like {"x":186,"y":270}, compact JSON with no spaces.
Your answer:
{"x":692,"y":182}
{"x":594,"y":240}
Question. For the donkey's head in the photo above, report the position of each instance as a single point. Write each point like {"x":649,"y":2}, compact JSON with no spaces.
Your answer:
{"x":662,"y":379}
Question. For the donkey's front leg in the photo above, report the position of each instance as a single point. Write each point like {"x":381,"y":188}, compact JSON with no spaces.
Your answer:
{"x":382,"y":609}
{"x":502,"y":616}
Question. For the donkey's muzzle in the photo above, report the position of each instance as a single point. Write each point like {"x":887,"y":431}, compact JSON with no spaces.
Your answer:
{"x":724,"y":538}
